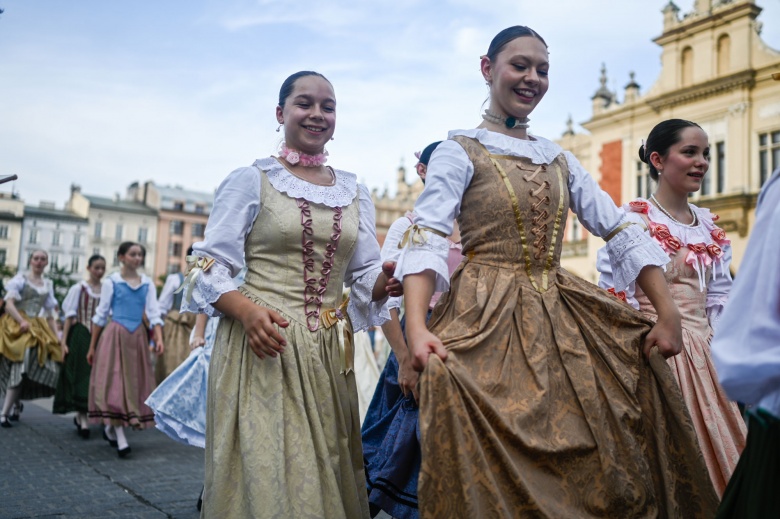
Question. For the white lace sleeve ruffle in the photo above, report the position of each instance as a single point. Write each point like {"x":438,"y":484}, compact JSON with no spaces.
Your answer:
{"x":13,"y":289}
{"x":363,"y":312}
{"x":431,"y":255}
{"x":714,"y":310}
{"x":340,"y":194}
{"x":207,"y":288}
{"x":630,"y":251}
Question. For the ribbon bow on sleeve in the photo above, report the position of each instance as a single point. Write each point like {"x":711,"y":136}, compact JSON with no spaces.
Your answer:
{"x":415,"y":235}
{"x":196,"y":264}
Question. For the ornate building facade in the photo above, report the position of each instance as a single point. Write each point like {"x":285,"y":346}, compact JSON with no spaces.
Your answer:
{"x":716,"y":71}
{"x":389,"y":209}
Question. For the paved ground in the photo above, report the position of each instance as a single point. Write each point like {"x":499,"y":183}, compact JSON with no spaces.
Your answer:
{"x":48,"y":471}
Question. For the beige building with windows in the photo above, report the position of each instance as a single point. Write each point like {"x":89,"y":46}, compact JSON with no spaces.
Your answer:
{"x":389,"y":209}
{"x":182,"y":221}
{"x":716,"y":71}
{"x":11,"y":217}
{"x":113,"y":221}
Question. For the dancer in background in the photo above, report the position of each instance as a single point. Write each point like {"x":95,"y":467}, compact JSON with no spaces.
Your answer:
{"x":746,"y":351}
{"x":79,"y":308}
{"x":29,"y":349}
{"x":282,"y":427}
{"x":678,"y":154}
{"x":391,"y":449}
{"x":176,"y":329}
{"x":541,"y":395}
{"x":122,"y":377}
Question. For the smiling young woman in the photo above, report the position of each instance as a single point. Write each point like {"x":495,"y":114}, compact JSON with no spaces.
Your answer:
{"x":29,"y":349}
{"x":677,"y":152}
{"x":282,"y":425}
{"x":535,"y":396}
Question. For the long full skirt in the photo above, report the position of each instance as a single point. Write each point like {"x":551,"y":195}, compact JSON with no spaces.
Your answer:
{"x":122,"y":378}
{"x":282,"y":434}
{"x":28,"y":360}
{"x":176,"y":339}
{"x":546,"y":407}
{"x":73,"y":386}
{"x":719,"y":425}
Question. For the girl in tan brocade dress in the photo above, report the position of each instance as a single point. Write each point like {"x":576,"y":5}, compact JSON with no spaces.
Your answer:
{"x":282,"y":424}
{"x":536,"y":399}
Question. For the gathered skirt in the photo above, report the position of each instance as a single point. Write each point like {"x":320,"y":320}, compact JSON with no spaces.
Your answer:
{"x":176,"y":339}
{"x":719,"y":425}
{"x":179,"y":402}
{"x":73,"y":386}
{"x":29,"y":360}
{"x":282,"y":434}
{"x":121,"y":379}
{"x":752,"y":492}
{"x":546,"y":407}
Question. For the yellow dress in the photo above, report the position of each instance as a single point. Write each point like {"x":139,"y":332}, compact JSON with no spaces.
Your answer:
{"x":283,"y":434}
{"x":29,"y":359}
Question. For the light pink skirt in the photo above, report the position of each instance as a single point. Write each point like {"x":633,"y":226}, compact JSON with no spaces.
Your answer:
{"x":122,"y":379}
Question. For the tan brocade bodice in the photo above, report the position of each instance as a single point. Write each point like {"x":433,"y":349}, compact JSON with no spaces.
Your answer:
{"x":515,"y":212}
{"x":297,"y":254}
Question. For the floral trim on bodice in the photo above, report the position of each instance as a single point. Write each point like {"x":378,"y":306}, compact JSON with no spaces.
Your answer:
{"x":705,"y":241}
{"x":315,"y":288}
{"x":341,"y":194}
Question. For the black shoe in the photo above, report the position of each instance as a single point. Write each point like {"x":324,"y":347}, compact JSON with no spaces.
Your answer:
{"x":123,"y":452}
{"x":84,"y":433}
{"x":111,"y":442}
{"x":16,"y":410}
{"x":4,"y":423}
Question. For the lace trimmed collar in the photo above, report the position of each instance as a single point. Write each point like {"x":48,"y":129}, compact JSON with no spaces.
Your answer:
{"x":701,"y":233}
{"x":339,"y":195}
{"x":539,"y":150}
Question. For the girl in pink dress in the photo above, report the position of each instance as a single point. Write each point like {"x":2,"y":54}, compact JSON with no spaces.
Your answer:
{"x":677,"y":152}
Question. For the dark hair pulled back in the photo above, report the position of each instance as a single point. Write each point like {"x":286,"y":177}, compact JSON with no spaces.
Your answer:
{"x":95,"y":257}
{"x":125,"y":246}
{"x":510,"y":33}
{"x":663,"y":136}
{"x":289,"y":84}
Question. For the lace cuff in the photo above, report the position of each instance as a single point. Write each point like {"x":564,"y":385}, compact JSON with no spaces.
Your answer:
{"x":363,"y":312}
{"x":630,"y":251}
{"x":394,"y":302}
{"x":206,"y":288}
{"x":430,"y":255}
{"x":714,"y":310}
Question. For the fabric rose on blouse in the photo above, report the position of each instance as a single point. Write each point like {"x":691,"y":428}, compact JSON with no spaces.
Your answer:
{"x":620,"y":295}
{"x":639,"y":206}
{"x":719,"y":235}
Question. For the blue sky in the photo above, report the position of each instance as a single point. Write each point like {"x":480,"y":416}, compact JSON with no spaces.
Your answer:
{"x":104,"y":93}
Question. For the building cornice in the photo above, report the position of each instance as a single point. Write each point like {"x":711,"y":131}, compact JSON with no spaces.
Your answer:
{"x":743,"y":79}
{"x":733,"y":210}
{"x":699,"y":24}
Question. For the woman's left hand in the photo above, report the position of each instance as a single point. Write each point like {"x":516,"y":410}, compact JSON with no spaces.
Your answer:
{"x":666,"y":335}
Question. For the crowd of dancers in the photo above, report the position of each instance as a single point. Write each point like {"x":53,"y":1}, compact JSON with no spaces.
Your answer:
{"x":513,"y":389}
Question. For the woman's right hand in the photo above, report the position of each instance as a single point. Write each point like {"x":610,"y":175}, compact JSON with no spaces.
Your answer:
{"x":197,"y":342}
{"x":261,"y":334}
{"x":90,"y":355}
{"x":422,"y":344}
{"x":24,"y":326}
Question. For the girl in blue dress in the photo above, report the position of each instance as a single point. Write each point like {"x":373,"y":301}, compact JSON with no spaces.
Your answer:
{"x":122,"y":376}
